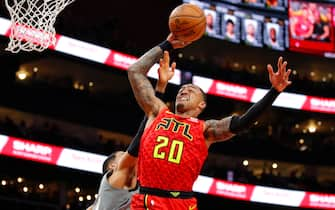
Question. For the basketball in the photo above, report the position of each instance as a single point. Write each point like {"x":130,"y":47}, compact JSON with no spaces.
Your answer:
{"x":187,"y":22}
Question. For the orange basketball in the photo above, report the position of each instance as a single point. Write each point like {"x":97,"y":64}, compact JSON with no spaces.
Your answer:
{"x":187,"y":22}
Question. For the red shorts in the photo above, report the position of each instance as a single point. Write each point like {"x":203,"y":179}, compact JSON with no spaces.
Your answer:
{"x":152,"y":202}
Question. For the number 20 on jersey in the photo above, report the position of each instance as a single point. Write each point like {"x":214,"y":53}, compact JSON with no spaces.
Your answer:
{"x":175,"y":150}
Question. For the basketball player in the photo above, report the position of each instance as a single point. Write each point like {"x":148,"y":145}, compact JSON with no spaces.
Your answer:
{"x":273,"y":41}
{"x":230,"y":30}
{"x":174,"y":146}
{"x":119,"y":181}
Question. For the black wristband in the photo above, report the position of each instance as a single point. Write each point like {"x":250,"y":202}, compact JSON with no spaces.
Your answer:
{"x":240,"y":123}
{"x":166,"y":45}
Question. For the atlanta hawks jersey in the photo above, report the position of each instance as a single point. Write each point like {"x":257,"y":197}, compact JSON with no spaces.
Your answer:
{"x":172,"y":152}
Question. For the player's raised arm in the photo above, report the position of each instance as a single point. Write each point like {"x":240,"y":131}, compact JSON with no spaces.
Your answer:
{"x":220,"y":130}
{"x":137,"y":74}
{"x":142,"y":88}
{"x":129,"y":158}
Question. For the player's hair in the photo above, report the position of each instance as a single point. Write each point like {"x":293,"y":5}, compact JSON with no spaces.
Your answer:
{"x":230,"y":21}
{"x":105,"y":164}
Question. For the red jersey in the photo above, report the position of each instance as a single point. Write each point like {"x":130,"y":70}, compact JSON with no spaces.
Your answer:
{"x":172,"y":152}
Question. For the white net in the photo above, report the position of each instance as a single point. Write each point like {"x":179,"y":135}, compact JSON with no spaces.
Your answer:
{"x":32,"y":27}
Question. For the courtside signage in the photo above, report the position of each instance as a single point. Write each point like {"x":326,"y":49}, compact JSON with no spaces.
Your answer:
{"x":277,"y":196}
{"x":26,"y":149}
{"x":318,"y":200}
{"x":231,"y":190}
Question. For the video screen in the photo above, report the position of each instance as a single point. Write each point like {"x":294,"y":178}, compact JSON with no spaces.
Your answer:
{"x":274,"y":34}
{"x":276,"y":4}
{"x":252,"y":33}
{"x":311,"y":28}
{"x":257,"y":3}
{"x":231,"y":28}
{"x":232,"y":1}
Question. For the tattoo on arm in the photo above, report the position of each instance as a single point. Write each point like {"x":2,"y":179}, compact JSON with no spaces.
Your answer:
{"x":218,"y":130}
{"x":146,"y":61}
{"x":137,"y":74}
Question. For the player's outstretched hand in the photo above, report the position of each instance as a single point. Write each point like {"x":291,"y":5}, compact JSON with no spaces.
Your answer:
{"x":279,"y":79}
{"x":165,"y":73}
{"x":176,"y":43}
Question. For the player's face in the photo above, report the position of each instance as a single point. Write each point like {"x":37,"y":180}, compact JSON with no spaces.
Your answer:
{"x":273,"y":34}
{"x":230,"y":28}
{"x":251,"y":29}
{"x":189,"y":97}
{"x":209,"y":19}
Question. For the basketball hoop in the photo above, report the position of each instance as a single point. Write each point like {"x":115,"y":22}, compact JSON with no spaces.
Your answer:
{"x":32,"y":27}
